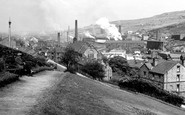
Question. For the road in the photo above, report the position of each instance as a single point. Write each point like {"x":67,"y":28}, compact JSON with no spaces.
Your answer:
{"x":19,"y":97}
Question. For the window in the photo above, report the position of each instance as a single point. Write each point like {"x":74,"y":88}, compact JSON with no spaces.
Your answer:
{"x":178,"y":69}
{"x":144,"y":73}
{"x":178,"y":77}
{"x":91,"y":56}
{"x":178,"y":87}
{"x":160,"y":78}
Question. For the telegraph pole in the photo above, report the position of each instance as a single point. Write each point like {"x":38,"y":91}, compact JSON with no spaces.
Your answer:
{"x":10,"y":32}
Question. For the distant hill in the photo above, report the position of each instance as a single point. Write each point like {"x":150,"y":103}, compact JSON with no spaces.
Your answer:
{"x":171,"y":22}
{"x":158,"y":21}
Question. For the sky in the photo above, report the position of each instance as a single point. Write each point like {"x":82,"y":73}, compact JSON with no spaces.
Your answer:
{"x":57,"y":15}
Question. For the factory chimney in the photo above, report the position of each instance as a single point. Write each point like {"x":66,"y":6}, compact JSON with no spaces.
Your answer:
{"x":58,"y":38}
{"x":9,"y":32}
{"x":76,"y":31}
{"x":120,"y":29}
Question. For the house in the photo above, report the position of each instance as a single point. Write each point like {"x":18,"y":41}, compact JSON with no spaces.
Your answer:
{"x":180,"y":37}
{"x":115,"y":52}
{"x":169,"y":76}
{"x":144,"y":70}
{"x":145,"y":37}
{"x":87,"y":50}
{"x":133,"y":37}
{"x":108,"y":72}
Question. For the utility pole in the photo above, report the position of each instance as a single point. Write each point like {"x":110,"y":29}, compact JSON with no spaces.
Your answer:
{"x":10,"y":32}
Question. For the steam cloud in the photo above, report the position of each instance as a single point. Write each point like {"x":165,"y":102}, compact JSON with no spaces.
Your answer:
{"x":87,"y":34}
{"x":110,"y":29}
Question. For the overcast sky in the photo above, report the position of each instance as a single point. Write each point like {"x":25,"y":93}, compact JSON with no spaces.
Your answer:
{"x":48,"y":15}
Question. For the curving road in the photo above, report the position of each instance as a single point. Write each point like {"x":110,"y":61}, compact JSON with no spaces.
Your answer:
{"x":19,"y":97}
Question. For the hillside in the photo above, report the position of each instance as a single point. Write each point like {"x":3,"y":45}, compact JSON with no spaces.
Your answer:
{"x":170,"y":20}
{"x":75,"y":95}
{"x":154,"y":22}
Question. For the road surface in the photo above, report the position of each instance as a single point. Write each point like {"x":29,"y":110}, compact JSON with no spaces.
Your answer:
{"x":19,"y":97}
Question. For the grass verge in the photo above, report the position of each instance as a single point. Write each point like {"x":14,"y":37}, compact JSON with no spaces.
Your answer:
{"x":7,"y":78}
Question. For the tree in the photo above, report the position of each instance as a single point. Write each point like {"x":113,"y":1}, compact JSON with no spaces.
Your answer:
{"x":119,"y":65}
{"x":2,"y":64}
{"x":70,"y":59}
{"x":94,"y":69}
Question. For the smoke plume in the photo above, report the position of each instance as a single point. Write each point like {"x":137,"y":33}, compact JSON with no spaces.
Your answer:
{"x":110,"y":29}
{"x":88,"y":35}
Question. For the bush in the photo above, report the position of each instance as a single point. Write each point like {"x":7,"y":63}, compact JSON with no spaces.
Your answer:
{"x":6,"y":78}
{"x":94,"y":69}
{"x":119,"y":65}
{"x":41,"y":61}
{"x":151,"y":90}
{"x":2,"y":65}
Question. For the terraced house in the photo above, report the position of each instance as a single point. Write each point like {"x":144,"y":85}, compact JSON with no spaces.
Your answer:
{"x":168,"y":75}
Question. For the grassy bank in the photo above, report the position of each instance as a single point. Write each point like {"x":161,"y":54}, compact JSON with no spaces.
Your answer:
{"x":74,"y":95}
{"x":6,"y":78}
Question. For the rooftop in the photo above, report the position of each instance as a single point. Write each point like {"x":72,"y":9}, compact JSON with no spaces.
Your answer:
{"x":125,"y":41}
{"x":81,"y":46}
{"x":163,"y":67}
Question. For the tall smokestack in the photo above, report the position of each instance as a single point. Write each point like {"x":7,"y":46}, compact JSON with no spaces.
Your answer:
{"x":76,"y":31}
{"x":9,"y":23}
{"x":58,"y":37}
{"x":120,"y":29}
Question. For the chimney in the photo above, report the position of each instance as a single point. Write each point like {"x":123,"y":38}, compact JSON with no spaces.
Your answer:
{"x":9,"y":23}
{"x":58,"y":37}
{"x":154,"y":63}
{"x":76,"y":30}
{"x":120,"y":29}
{"x":182,"y":59}
{"x":154,"y":58}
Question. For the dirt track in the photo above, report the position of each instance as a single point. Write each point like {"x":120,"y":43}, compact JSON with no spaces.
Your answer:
{"x":19,"y":97}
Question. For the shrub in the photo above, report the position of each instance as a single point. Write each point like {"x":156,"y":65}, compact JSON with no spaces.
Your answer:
{"x":151,"y":90}
{"x":119,"y":65}
{"x":6,"y":78}
{"x":94,"y":69}
{"x":2,"y":65}
{"x":41,"y":59}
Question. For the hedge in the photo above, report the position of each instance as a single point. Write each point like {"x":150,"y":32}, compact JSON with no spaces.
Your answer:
{"x":6,"y":78}
{"x":151,"y":90}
